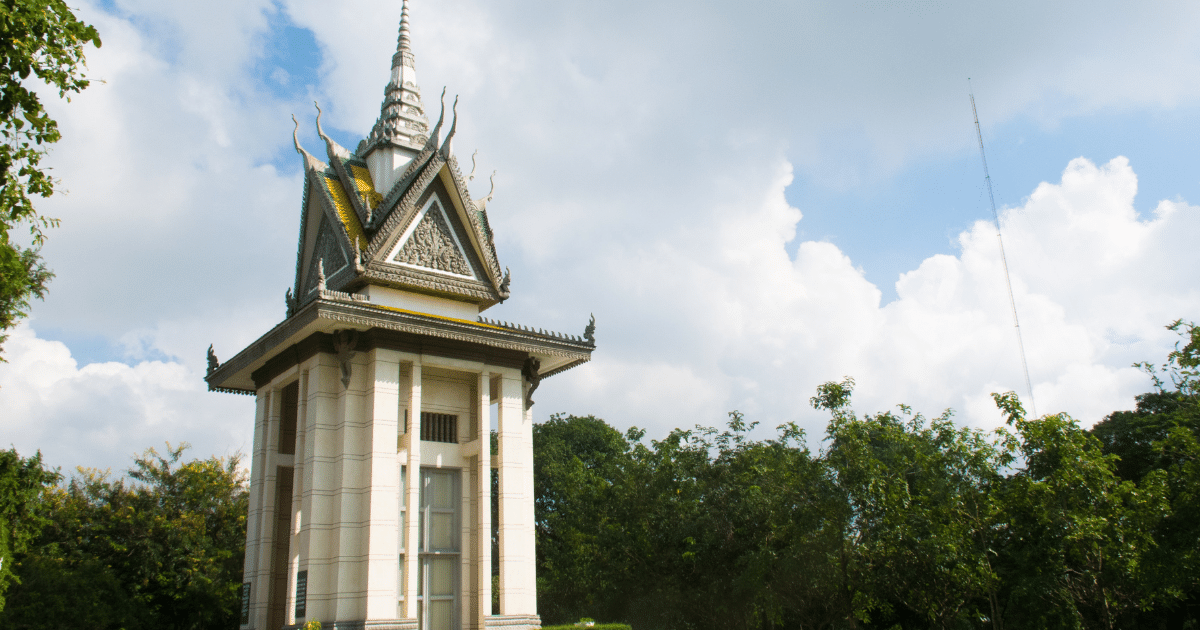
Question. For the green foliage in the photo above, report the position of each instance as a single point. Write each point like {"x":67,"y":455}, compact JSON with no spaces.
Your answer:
{"x":1076,"y":533}
{"x":23,"y":482}
{"x":164,"y":550}
{"x":898,"y":521}
{"x":1155,"y":445}
{"x":41,"y":38}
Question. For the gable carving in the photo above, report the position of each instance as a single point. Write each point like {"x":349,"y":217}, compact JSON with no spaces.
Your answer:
{"x":326,"y":249}
{"x":432,"y":245}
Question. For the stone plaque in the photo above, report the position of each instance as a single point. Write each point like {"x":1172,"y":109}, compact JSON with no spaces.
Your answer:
{"x":245,"y":603}
{"x":301,"y":595}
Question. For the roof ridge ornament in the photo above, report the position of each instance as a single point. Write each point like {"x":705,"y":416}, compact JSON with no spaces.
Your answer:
{"x":445,"y":150}
{"x":331,"y":147}
{"x":309,"y":161}
{"x":481,"y":204}
{"x":432,"y":142}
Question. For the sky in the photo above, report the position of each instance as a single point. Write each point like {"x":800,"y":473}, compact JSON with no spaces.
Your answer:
{"x":752,"y":198}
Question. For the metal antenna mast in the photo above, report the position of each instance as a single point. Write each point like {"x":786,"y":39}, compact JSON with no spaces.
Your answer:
{"x":1004,"y":260}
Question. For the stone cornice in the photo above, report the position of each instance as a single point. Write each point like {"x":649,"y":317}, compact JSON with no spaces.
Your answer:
{"x":335,"y":310}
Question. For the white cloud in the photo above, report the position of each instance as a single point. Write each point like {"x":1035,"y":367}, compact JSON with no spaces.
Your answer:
{"x":757,"y":331}
{"x":644,"y":152}
{"x":101,"y":414}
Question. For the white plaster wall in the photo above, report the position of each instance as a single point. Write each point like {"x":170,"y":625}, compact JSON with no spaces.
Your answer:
{"x":386,"y":165}
{"x":421,"y":303}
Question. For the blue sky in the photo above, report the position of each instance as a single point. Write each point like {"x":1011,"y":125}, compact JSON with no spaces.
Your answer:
{"x":751,"y":199}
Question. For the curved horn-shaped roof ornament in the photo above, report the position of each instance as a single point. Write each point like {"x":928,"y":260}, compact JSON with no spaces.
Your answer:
{"x":296,"y":137}
{"x":320,"y":132}
{"x":331,"y":147}
{"x":450,"y":135}
{"x":309,"y":161}
{"x":471,"y":177}
{"x":432,"y":142}
{"x":481,"y":204}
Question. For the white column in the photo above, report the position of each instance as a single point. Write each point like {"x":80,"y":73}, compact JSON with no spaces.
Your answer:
{"x":483,"y":503}
{"x":412,"y":479}
{"x":268,"y":474}
{"x":321,"y":430}
{"x":353,"y":529}
{"x":301,"y":498}
{"x":529,"y":534}
{"x":518,"y":589}
{"x":382,"y":545}
{"x":250,"y":568}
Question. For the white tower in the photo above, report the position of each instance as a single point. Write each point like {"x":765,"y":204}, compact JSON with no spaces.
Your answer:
{"x":371,"y":476}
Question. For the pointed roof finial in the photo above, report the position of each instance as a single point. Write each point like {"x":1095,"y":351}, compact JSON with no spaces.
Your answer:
{"x":402,"y":119}
{"x":404,"y":54}
{"x":450,"y":135}
{"x":310,"y":162}
{"x":334,"y":149}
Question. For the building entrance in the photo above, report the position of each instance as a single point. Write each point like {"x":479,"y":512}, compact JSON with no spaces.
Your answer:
{"x":441,"y":551}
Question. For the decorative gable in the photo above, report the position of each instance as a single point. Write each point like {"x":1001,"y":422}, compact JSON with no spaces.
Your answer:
{"x":431,"y":244}
{"x":423,"y":234}
{"x":327,"y":258}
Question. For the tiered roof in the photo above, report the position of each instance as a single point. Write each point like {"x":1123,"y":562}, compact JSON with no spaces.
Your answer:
{"x":423,"y":234}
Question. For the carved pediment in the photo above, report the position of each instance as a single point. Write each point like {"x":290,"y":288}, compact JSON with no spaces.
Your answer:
{"x":432,"y":245}
{"x":327,"y":251}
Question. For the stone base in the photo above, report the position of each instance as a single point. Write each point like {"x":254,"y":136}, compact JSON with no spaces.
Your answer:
{"x":379,"y":624}
{"x":513,"y":622}
{"x":500,"y":622}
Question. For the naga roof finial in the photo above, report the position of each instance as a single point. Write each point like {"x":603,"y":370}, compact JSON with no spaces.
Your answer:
{"x":432,"y":142}
{"x":332,"y":148}
{"x":450,"y":134}
{"x":309,"y":160}
{"x":481,"y":204}
{"x":296,"y":136}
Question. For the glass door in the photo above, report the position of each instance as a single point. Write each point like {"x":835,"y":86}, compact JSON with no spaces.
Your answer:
{"x":440,"y":553}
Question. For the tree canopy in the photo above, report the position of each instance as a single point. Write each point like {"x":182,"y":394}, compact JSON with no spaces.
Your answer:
{"x":163,"y":549}
{"x":896,"y":521}
{"x":44,"y":40}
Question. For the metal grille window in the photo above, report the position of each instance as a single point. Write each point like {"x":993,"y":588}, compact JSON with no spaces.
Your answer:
{"x":439,"y":427}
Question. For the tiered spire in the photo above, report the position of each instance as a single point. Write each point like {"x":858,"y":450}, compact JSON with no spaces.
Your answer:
{"x":402,"y":120}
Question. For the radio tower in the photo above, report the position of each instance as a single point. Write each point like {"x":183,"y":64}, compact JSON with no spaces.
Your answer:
{"x":1003,"y":260}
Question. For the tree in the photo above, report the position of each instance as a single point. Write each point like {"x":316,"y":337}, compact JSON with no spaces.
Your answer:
{"x":44,"y":39}
{"x":1076,"y":535}
{"x":579,"y":462}
{"x":162,"y":551}
{"x":917,"y":514}
{"x":23,"y":481}
{"x":1159,"y":438}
